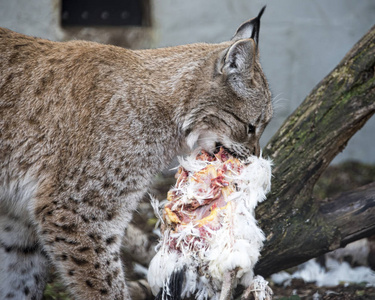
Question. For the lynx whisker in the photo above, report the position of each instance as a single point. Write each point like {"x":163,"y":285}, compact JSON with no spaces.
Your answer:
{"x":279,"y":103}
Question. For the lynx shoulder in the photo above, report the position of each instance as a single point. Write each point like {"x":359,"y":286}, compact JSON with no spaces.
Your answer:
{"x":84,"y":127}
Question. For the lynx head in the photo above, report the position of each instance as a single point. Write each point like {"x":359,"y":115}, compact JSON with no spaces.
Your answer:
{"x":235,"y":106}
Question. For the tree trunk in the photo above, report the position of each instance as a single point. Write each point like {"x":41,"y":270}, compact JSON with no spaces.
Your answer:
{"x":298,"y":227}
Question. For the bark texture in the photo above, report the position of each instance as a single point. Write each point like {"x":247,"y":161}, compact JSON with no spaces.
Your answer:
{"x":297,"y":226}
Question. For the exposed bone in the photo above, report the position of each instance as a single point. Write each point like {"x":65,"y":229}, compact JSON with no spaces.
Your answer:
{"x":228,"y":283}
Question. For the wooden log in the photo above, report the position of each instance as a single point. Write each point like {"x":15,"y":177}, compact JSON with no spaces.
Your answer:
{"x":297,"y":229}
{"x":352,"y":213}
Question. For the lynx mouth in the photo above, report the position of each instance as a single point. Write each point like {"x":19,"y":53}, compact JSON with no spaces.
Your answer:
{"x":218,"y":146}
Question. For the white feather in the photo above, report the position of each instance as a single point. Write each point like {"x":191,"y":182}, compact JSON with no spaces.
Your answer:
{"x":236,"y":244}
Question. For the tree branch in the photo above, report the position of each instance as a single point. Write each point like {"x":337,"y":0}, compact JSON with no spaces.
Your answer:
{"x":296,"y":228}
{"x":353,"y":213}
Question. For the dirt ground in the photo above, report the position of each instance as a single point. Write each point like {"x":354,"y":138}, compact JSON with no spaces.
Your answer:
{"x":296,"y":291}
{"x":301,"y":290}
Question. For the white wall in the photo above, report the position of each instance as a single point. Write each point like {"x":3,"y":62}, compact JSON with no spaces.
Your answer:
{"x":301,"y":41}
{"x":34,"y":17}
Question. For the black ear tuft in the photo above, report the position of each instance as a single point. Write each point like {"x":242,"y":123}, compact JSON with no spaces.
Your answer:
{"x":250,"y":29}
{"x":255,"y":33}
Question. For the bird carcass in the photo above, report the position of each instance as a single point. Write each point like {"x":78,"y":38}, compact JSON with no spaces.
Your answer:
{"x":210,"y":239}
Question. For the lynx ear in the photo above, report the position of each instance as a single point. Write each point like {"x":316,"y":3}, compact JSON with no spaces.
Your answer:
{"x":240,"y":57}
{"x":249,"y":29}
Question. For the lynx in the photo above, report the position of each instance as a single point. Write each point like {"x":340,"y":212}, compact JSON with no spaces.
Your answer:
{"x":84,"y":127}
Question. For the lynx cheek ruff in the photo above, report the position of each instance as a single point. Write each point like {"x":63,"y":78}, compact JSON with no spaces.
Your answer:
{"x":209,"y":229}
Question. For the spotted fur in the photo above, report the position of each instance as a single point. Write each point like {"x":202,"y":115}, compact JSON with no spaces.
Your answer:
{"x":84,"y":127}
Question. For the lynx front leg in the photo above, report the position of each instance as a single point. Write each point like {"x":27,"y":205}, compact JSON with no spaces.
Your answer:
{"x":83,"y":239}
{"x":23,"y":265}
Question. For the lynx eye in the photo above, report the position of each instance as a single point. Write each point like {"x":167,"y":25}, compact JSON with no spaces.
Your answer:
{"x":250,"y":129}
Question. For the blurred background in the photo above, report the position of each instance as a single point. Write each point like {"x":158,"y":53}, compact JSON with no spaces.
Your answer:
{"x":300,"y":41}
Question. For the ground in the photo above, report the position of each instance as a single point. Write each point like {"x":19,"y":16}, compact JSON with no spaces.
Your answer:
{"x":297,"y":290}
{"x":301,"y":290}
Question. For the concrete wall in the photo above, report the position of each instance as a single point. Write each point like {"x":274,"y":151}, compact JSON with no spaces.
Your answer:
{"x":33,"y":17}
{"x":300,"y":42}
{"x":42,"y":18}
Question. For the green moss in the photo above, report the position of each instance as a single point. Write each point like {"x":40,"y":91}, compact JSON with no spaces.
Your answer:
{"x":55,"y":291}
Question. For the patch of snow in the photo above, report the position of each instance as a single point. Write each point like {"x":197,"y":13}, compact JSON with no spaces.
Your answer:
{"x":316,"y":296}
{"x":336,"y":272}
